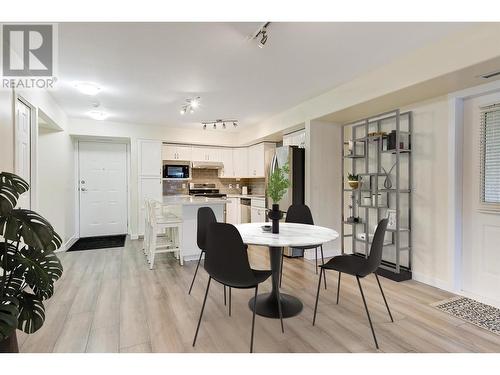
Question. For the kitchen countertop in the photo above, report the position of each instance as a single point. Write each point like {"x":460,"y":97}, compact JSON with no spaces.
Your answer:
{"x":250,"y":196}
{"x":186,"y":200}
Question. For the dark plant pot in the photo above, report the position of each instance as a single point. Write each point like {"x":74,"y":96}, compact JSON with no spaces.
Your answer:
{"x":9,"y":345}
{"x":275,"y":215}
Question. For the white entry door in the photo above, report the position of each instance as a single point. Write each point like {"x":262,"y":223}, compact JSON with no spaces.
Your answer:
{"x":23,"y":148}
{"x":481,"y":229}
{"x":103,"y":188}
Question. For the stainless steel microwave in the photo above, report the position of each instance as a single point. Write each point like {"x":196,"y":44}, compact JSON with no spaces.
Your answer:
{"x":176,"y":171}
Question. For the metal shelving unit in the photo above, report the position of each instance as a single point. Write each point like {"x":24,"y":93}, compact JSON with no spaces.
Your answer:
{"x":368,"y":157}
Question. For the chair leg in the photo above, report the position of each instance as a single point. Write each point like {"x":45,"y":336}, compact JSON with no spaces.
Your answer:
{"x":253,"y":318}
{"x":317,"y":294}
{"x":383,"y":296}
{"x":195,"y":272}
{"x":338,"y":288}
{"x":279,"y":309}
{"x":323,"y":263}
{"x":229,"y":301}
{"x":367,"y":312}
{"x":281,"y":268}
{"x":225,"y":296}
{"x":316,"y":257}
{"x":201,"y":313}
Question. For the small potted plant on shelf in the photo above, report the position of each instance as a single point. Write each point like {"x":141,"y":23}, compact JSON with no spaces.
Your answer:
{"x":28,"y":265}
{"x":354,"y":180}
{"x":276,"y":188}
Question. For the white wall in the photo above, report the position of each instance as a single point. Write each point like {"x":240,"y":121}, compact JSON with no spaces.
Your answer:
{"x":55,"y":193}
{"x":323,"y":178}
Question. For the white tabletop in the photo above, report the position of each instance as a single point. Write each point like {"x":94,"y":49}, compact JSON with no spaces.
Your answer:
{"x":290,"y":235}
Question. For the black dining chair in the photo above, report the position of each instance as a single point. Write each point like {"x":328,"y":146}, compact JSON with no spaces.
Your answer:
{"x":359,"y":267}
{"x":205,"y":217}
{"x":301,"y":214}
{"x":226,"y":261}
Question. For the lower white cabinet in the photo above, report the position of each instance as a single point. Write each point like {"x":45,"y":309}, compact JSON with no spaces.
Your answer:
{"x":258,"y":215}
{"x":233,"y":211}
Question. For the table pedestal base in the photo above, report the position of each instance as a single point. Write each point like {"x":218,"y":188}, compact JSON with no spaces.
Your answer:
{"x":267,"y":305}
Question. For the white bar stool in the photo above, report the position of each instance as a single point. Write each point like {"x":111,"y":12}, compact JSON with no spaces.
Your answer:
{"x":158,"y":224}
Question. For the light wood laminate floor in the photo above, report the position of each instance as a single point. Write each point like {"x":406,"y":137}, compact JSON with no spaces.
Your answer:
{"x":109,"y":301}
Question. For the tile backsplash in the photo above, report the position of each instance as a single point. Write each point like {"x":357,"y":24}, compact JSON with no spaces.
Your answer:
{"x":210,"y":176}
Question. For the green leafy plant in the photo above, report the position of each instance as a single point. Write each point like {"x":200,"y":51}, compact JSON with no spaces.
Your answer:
{"x":278,"y":183}
{"x":28,"y":266}
{"x":353,"y":177}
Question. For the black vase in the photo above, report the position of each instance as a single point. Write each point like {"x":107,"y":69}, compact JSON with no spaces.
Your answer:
{"x":275,"y":215}
{"x":9,"y":345}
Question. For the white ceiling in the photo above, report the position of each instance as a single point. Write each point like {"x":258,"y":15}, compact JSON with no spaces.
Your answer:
{"x":147,"y":70}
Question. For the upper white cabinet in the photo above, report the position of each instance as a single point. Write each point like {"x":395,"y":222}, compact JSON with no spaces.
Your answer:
{"x":149,"y":155}
{"x":259,"y":159}
{"x":240,"y":162}
{"x":176,"y":152}
{"x":206,"y":154}
{"x":227,"y":160}
{"x":297,"y":138}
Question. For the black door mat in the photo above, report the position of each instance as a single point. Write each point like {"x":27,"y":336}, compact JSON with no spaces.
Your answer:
{"x":102,"y":242}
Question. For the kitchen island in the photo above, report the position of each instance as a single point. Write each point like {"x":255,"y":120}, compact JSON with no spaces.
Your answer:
{"x":187,"y":207}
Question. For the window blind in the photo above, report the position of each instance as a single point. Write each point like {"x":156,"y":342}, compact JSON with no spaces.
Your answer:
{"x":490,"y":155}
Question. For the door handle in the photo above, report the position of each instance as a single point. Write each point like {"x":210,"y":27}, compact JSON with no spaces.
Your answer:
{"x":83,"y":189}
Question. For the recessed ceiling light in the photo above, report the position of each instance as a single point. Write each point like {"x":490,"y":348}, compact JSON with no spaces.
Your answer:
{"x":195,"y":103}
{"x":87,"y":88}
{"x":98,"y":115}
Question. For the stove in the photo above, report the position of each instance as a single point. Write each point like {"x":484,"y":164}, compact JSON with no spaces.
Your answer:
{"x":205,"y":190}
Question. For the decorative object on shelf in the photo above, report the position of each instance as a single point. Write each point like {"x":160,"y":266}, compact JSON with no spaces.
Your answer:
{"x":366,"y":201}
{"x":404,"y":141}
{"x":29,"y":267}
{"x":276,"y":188}
{"x":219,"y":122}
{"x":352,"y":218}
{"x":354,"y":180}
{"x":391,"y":215}
{"x":379,"y":200}
{"x":377,"y":134}
{"x":388,"y":181}
{"x":190,"y":105}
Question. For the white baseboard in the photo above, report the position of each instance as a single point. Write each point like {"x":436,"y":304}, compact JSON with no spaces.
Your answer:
{"x":432,"y":281}
{"x":65,"y":246}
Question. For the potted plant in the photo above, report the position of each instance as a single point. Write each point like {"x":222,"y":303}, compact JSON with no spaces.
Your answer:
{"x":28,"y":265}
{"x":354,"y":180}
{"x":276,"y":188}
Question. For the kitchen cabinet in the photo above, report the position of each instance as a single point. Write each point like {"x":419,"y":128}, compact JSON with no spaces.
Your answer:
{"x":259,"y":159}
{"x":233,"y":211}
{"x":206,"y":154}
{"x":149,"y":175}
{"x":227,"y":160}
{"x":176,"y":152}
{"x":297,"y":138}
{"x":240,"y":162}
{"x":258,"y":210}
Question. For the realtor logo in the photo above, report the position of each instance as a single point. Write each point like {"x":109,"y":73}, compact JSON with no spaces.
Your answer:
{"x":28,"y":50}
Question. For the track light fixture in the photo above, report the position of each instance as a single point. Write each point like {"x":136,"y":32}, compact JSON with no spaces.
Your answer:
{"x":217,"y":122}
{"x":190,"y":105}
{"x":261,"y":35}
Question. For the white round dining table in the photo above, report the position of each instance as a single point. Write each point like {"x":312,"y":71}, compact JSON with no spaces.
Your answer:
{"x":290,"y":235}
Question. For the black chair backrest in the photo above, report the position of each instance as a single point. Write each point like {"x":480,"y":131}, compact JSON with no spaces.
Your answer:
{"x":226,"y":258}
{"x":300,"y":214}
{"x":205,"y":217}
{"x":375,"y":257}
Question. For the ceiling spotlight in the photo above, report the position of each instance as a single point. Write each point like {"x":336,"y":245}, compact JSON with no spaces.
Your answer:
{"x":235,"y":124}
{"x":223,"y":125}
{"x":191,"y":110}
{"x":263,"y":40}
{"x":215,"y":125}
{"x":98,"y":115}
{"x":87,"y":88}
{"x":195,"y":102}
{"x":183,"y":111}
{"x":204,"y":126}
